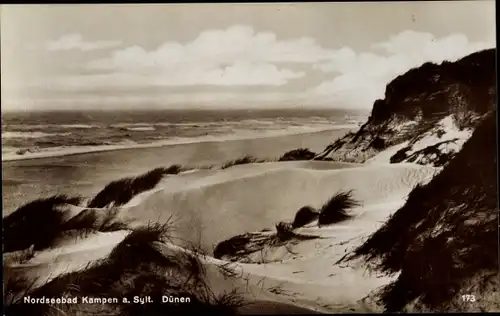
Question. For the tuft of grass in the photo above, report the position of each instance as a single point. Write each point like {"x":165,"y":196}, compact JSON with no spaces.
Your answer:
{"x":230,"y":300}
{"x":122,"y":191}
{"x":97,"y":220}
{"x":36,"y":223}
{"x":42,"y":222}
{"x":284,"y":231}
{"x":305,"y":215}
{"x":15,"y":287}
{"x":174,"y":169}
{"x":232,"y":246}
{"x":298,"y":154}
{"x":239,"y":247}
{"x":110,"y":224}
{"x":136,"y":247}
{"x":241,"y":161}
{"x":335,"y":209}
{"x":135,"y":267}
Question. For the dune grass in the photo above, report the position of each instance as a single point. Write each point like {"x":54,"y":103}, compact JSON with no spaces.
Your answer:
{"x":292,"y":155}
{"x":241,"y":247}
{"x":305,"y":215}
{"x":15,"y":287}
{"x":298,"y":154}
{"x":121,"y":191}
{"x":242,"y":161}
{"x":284,"y":231}
{"x":174,"y":169}
{"x":447,"y":231}
{"x":41,"y":223}
{"x":135,"y":267}
{"x":36,"y":223}
{"x":336,"y":209}
{"x":95,"y":219}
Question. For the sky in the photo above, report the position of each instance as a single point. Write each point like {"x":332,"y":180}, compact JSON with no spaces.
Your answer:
{"x":334,"y":55}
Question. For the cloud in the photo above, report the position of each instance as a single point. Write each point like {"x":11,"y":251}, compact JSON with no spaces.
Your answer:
{"x":238,"y":74}
{"x":76,"y":42}
{"x":215,"y":47}
{"x":236,"y":56}
{"x":362,"y":77}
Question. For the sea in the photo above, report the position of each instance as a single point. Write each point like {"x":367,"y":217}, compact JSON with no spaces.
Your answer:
{"x":76,"y":152}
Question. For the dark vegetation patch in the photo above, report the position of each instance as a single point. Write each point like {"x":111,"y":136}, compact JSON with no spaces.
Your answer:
{"x":36,"y":223}
{"x":135,"y":267}
{"x":43,"y":221}
{"x":284,"y":231}
{"x":433,"y":155}
{"x":242,"y":161}
{"x":174,"y":169}
{"x":298,"y":154}
{"x":305,"y":215}
{"x":400,"y":155}
{"x":336,"y":208}
{"x":238,"y":248}
{"x":430,"y":155}
{"x":440,"y":132}
{"x":97,"y":220}
{"x":447,"y":231}
{"x":378,"y":143}
{"x":122,"y":191}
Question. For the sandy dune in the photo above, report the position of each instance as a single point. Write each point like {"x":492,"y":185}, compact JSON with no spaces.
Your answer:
{"x":210,"y":206}
{"x":221,"y":204}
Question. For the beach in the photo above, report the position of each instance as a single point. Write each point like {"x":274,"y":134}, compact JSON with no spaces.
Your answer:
{"x":86,"y":174}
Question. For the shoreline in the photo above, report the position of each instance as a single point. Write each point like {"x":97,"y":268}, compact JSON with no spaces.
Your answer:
{"x":71,"y":151}
{"x":87,"y":173}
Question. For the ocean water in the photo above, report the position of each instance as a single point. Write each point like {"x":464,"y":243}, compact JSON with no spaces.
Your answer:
{"x":145,"y":139}
{"x":57,"y":133}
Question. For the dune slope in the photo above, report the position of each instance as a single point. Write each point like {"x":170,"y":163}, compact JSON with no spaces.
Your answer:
{"x":204,"y":208}
{"x":447,"y":243}
{"x":426,"y":115}
{"x":253,"y":197}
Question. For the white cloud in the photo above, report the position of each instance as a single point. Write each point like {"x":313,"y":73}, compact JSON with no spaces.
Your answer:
{"x":362,"y":77}
{"x":236,"y":56}
{"x":215,"y":47}
{"x":75,"y":41}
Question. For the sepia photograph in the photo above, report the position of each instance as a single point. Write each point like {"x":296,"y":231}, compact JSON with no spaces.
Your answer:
{"x":249,"y":158}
